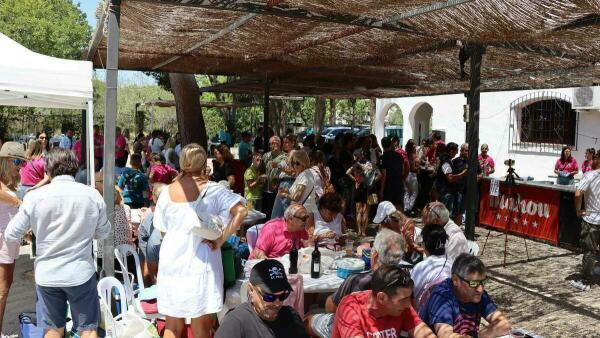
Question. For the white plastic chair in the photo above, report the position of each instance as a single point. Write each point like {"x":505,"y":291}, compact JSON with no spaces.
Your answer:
{"x":105,"y":287}
{"x":121,"y":253}
{"x":473,"y":247}
{"x":252,"y":235}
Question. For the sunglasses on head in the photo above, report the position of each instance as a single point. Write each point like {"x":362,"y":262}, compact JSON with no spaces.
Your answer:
{"x":474,"y":283}
{"x":270,"y":298}
{"x":18,"y":162}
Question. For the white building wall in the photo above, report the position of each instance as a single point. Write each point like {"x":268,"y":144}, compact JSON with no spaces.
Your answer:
{"x":494,"y":127}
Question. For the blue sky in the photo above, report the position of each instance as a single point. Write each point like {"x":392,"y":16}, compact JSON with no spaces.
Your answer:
{"x":125,"y":77}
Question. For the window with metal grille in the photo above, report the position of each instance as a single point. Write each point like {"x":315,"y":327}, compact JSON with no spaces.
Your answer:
{"x":542,"y":122}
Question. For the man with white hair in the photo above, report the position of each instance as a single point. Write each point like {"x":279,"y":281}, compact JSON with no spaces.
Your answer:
{"x":279,"y":235}
{"x":436,"y":213}
{"x":388,"y":249}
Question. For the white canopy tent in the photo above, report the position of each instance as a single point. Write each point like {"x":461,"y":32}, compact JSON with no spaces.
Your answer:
{"x":35,"y":80}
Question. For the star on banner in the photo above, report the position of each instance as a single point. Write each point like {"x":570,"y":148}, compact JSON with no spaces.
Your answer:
{"x":525,"y":222}
{"x":498,"y":217}
{"x":516,"y":220}
{"x":535,"y":224}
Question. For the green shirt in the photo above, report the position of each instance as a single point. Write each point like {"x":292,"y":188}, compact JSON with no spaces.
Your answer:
{"x":273,"y":173}
{"x":254,"y":193}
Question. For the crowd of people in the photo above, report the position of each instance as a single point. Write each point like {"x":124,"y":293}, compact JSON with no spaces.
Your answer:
{"x":310,"y":192}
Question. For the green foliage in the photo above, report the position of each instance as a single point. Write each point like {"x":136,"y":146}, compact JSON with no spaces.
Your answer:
{"x":394,"y":116}
{"x":52,"y":27}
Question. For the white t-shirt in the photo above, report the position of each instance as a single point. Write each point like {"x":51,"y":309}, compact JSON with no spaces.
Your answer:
{"x":457,"y":242}
{"x":428,"y":273}
{"x":306,"y":179}
{"x":446,"y":168}
{"x":156,"y":145}
{"x":590,"y":185}
{"x":322,"y":227}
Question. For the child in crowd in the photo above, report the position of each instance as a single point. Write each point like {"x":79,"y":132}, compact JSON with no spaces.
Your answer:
{"x":134,"y":183}
{"x":254,"y":182}
{"x":160,"y":172}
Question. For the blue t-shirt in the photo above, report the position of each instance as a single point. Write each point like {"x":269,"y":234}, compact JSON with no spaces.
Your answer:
{"x":444,"y":308}
{"x":134,"y":183}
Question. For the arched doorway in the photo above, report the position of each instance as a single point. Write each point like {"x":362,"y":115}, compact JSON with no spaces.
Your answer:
{"x":394,"y":122}
{"x":420,"y":119}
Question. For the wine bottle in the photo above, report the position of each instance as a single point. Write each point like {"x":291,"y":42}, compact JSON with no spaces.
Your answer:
{"x":315,"y":263}
{"x":293,"y":259}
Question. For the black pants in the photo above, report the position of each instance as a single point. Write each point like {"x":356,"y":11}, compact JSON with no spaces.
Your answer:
{"x":268,"y":198}
{"x":590,"y":244}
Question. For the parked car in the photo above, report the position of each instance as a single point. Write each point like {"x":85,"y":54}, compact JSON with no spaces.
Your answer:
{"x":332,"y":132}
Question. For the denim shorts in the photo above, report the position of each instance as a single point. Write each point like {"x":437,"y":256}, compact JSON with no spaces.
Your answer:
{"x":322,"y":324}
{"x":51,"y":306}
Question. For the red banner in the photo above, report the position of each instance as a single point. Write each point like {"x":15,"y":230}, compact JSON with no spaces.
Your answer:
{"x":530,"y":211}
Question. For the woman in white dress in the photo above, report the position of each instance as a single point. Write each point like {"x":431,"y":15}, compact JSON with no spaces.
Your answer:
{"x":190,"y":272}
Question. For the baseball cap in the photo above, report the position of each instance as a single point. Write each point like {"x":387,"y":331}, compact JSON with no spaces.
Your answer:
{"x":384,"y":209}
{"x":13,"y":150}
{"x":269,"y":274}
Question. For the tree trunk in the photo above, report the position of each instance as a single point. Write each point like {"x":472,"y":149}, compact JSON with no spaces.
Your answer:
{"x":187,"y":104}
{"x":320,"y":106}
{"x":332,"y":106}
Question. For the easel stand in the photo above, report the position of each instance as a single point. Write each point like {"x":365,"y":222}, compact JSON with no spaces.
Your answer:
{"x":510,"y":183}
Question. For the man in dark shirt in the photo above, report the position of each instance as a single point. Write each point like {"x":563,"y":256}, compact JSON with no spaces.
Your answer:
{"x":264,"y":316}
{"x":392,"y":180}
{"x":459,"y":165}
{"x":389,"y":248}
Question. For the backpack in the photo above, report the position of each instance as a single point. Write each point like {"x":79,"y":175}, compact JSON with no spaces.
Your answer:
{"x":135,"y":181}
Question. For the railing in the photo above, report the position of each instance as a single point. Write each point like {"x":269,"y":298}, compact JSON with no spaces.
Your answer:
{"x":542,"y":122}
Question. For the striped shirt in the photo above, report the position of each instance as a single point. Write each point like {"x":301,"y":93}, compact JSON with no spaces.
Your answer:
{"x":590,"y":185}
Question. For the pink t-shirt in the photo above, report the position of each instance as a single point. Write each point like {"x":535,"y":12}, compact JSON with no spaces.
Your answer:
{"x":98,"y":145}
{"x":275,"y":241}
{"x":586,"y":166}
{"x":486,"y":163}
{"x":568,"y":166}
{"x":77,"y":150}
{"x":32,"y":172}
{"x":162,"y":173}
{"x":120,"y":146}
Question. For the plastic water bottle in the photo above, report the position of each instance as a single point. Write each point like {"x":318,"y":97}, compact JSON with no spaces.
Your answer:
{"x":580,"y":286}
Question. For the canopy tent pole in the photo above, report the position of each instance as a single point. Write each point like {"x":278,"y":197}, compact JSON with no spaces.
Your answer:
{"x":476,"y":52}
{"x":87,"y":143}
{"x":110,"y":121}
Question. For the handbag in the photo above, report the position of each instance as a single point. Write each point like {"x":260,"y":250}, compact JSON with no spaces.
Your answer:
{"x":372,"y":199}
{"x":206,"y":225}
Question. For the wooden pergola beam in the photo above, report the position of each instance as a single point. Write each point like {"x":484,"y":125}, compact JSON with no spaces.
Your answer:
{"x":539,"y":50}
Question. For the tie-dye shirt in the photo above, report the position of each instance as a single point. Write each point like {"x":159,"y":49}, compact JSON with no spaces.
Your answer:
{"x":443,"y":307}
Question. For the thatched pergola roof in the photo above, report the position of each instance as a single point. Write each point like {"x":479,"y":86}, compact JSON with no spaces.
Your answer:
{"x":361,"y":48}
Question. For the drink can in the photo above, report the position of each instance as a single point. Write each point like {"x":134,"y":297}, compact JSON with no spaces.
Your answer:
{"x":366,"y":257}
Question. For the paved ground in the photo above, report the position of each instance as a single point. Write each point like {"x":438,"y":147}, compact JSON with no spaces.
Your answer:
{"x":535,"y":295}
{"x":22,"y":293}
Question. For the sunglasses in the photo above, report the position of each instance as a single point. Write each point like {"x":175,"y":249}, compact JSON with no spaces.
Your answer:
{"x":303,"y":219}
{"x":270,"y":298}
{"x":42,"y":137}
{"x":296,"y":163}
{"x":475,"y":283}
{"x":17,"y":162}
{"x":398,"y":281}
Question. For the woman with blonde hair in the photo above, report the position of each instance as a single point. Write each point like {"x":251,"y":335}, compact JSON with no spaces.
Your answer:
{"x":12,"y":157}
{"x":303,"y":189}
{"x":190,"y":271}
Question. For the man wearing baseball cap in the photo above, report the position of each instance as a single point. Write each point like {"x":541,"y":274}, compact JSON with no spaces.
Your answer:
{"x":264,"y":315}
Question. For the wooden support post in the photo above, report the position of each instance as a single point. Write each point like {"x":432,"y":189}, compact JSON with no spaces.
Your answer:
{"x":266,"y":107}
{"x":110,"y":121}
{"x":476,"y":52}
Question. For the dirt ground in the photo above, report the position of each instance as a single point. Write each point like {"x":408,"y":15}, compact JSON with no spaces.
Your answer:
{"x":535,"y":294}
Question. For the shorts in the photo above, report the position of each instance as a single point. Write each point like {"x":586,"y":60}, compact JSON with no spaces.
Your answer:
{"x":83,"y":299}
{"x":322,"y":324}
{"x":8,"y":251}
